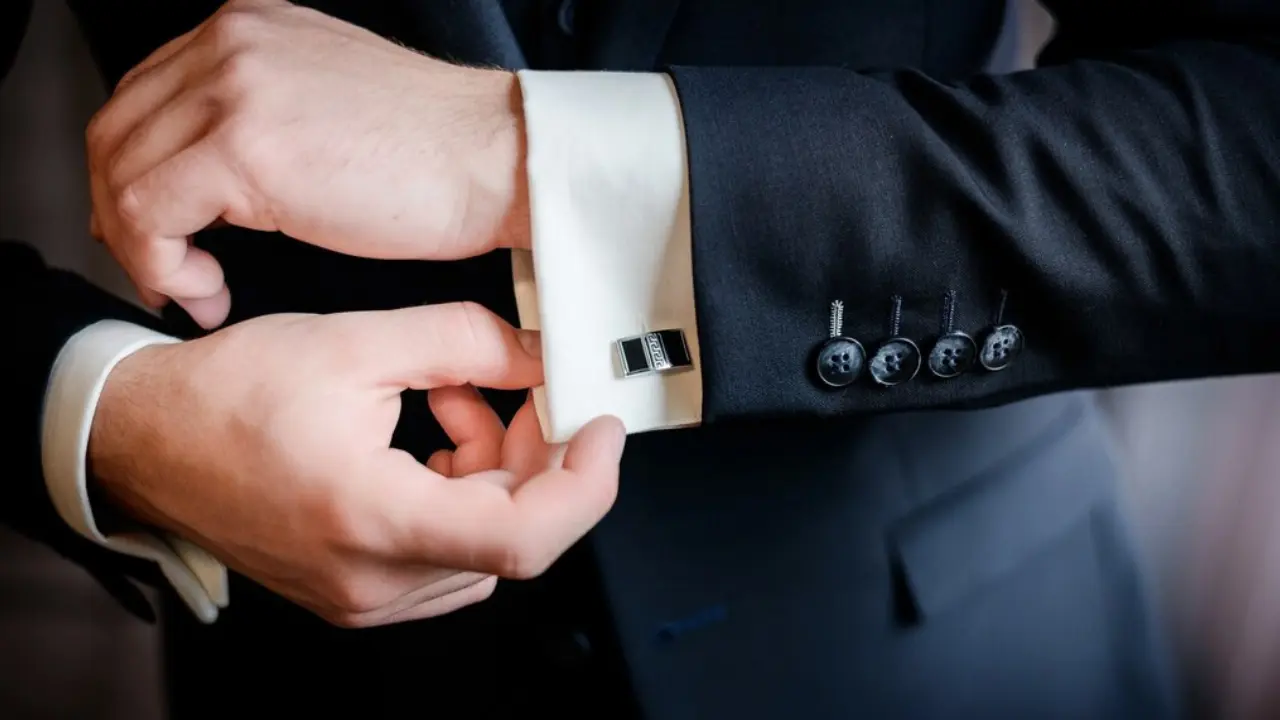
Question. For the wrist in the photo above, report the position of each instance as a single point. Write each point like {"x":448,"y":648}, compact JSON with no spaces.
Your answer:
{"x":500,"y":164}
{"x":117,"y":434}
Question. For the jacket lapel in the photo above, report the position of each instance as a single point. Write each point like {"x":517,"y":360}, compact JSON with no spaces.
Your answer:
{"x":627,"y":34}
{"x":475,"y":32}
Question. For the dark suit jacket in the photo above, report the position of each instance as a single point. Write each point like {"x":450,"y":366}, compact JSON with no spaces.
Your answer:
{"x":40,"y":309}
{"x":816,"y":553}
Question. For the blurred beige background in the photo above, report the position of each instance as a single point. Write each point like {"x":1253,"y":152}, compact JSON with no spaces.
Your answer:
{"x":1202,"y":464}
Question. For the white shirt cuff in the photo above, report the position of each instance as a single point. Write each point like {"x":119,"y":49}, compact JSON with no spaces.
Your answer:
{"x":78,"y":376}
{"x":612,"y":246}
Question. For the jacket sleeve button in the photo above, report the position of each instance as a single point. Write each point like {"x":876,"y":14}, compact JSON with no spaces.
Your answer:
{"x":840,"y":361}
{"x":1001,"y":347}
{"x":895,"y":362}
{"x":953,"y":354}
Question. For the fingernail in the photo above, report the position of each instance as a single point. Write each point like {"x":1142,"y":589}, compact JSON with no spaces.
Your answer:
{"x":531,"y":341}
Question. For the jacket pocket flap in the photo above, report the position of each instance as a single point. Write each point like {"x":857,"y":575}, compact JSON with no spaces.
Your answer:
{"x":954,"y":545}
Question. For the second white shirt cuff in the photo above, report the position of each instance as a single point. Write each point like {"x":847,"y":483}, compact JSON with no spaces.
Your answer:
{"x":79,"y":374}
{"x":612,"y":246}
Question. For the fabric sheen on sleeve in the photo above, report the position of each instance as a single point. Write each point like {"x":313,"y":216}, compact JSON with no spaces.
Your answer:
{"x":79,"y":374}
{"x":611,"y":238}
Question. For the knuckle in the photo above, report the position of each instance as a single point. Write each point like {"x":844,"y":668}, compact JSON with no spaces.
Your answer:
{"x":95,"y":132}
{"x":355,"y":600}
{"x":472,"y":309}
{"x":481,"y":332}
{"x":238,"y":73}
{"x":351,"y":597}
{"x":114,"y":174}
{"x":473,"y":319}
{"x":238,"y":23}
{"x":461,"y":327}
{"x":130,"y":207}
{"x":348,"y":620}
{"x":124,"y":81}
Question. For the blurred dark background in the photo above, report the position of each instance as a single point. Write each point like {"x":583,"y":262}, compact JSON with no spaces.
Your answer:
{"x":1202,"y":463}
{"x":66,"y":649}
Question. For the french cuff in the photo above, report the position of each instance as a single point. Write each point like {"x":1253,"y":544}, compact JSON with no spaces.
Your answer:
{"x":609,"y":281}
{"x":79,"y":374}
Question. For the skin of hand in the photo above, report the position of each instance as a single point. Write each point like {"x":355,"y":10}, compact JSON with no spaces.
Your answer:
{"x":267,"y":443}
{"x":276,"y":117}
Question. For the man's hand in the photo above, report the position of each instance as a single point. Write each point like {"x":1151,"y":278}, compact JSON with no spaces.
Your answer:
{"x":276,"y":117}
{"x":266,"y":443}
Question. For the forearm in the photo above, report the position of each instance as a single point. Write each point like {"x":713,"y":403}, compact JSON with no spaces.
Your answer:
{"x":1121,"y":211}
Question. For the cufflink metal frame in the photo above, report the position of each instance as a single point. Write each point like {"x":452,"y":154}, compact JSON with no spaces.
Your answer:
{"x":661,"y":351}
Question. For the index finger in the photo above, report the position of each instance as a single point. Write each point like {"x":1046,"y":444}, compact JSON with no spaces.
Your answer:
{"x":433,"y":346}
{"x":476,"y":525}
{"x":159,"y":212}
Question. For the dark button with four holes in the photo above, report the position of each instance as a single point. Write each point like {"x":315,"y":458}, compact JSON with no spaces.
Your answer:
{"x":953,"y":354}
{"x":896,"y":362}
{"x":1001,"y":347}
{"x":840,"y":361}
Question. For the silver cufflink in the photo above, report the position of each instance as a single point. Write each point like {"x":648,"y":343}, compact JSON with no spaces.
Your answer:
{"x":663,"y":351}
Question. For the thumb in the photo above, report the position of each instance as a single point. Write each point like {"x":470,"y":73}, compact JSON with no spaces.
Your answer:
{"x":462,"y":343}
{"x":472,"y":523}
{"x":559,"y":506}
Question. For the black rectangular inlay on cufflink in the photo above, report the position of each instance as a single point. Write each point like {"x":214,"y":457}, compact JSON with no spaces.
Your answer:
{"x":661,"y":351}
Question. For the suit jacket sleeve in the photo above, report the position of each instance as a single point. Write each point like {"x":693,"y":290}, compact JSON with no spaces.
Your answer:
{"x":14,"y":15}
{"x":1118,"y":206}
{"x":40,"y":310}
